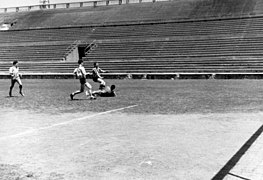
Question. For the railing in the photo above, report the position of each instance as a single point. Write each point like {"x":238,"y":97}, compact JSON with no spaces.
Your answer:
{"x":92,"y":3}
{"x":89,"y":47}
{"x":70,"y":49}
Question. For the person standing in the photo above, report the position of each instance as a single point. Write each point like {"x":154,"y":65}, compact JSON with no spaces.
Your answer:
{"x":15,"y":78}
{"x":80,"y":73}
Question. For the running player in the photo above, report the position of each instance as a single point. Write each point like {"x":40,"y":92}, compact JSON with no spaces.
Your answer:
{"x":15,"y":78}
{"x":80,"y":73}
{"x":96,"y":75}
{"x":105,"y":92}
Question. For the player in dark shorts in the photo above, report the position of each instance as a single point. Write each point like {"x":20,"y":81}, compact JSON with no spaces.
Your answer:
{"x":96,"y":75}
{"x":105,"y":92}
{"x":15,"y":78}
{"x":80,"y":74}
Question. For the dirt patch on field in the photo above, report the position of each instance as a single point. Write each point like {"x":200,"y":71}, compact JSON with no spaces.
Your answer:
{"x":15,"y":172}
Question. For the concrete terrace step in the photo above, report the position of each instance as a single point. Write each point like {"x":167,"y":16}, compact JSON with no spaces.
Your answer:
{"x":178,"y":46}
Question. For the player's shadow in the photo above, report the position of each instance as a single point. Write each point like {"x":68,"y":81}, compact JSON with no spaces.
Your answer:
{"x":81,"y":100}
{"x":12,"y":96}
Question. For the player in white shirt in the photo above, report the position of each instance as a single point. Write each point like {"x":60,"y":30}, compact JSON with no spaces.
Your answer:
{"x":15,"y":78}
{"x":80,"y":73}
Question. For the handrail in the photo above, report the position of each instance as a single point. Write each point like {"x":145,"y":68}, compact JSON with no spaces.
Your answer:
{"x":71,"y":48}
{"x":89,"y":47}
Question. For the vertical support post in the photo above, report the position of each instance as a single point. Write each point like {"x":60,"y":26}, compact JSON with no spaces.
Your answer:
{"x":81,"y":4}
{"x":54,"y":6}
{"x":17,"y":9}
{"x":5,"y":9}
{"x":67,"y":5}
{"x":120,"y":2}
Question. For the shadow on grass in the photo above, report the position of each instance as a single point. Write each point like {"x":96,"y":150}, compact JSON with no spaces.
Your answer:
{"x":82,"y":99}
{"x":12,"y":96}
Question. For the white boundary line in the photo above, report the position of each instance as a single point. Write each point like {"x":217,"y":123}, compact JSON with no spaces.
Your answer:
{"x":63,"y":123}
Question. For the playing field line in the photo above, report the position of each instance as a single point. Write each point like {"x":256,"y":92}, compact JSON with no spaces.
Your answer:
{"x":63,"y":123}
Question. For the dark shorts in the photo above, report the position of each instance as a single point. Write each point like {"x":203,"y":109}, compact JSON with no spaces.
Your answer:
{"x":82,"y":80}
{"x":95,"y":79}
{"x":108,"y":94}
{"x":13,"y":81}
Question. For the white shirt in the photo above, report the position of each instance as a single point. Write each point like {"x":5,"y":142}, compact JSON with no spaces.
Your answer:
{"x":96,"y":72}
{"x":14,"y":72}
{"x":80,"y":71}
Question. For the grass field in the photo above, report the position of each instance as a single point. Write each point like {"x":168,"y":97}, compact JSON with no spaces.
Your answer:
{"x":153,"y":129}
{"x":154,"y":97}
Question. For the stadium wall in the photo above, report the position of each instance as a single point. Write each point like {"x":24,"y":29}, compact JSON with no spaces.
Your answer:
{"x":145,"y":76}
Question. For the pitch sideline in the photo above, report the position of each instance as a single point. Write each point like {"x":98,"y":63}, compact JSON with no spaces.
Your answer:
{"x":63,"y":123}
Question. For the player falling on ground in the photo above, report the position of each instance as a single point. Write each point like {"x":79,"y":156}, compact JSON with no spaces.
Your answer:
{"x":96,"y":75}
{"x":80,"y":73}
{"x":105,"y":92}
{"x":15,"y":78}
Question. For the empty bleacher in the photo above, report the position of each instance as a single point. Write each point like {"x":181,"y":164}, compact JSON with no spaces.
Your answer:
{"x":213,"y":44}
{"x":188,"y":28}
{"x":133,"y":13}
{"x":205,"y":55}
{"x":32,"y":53}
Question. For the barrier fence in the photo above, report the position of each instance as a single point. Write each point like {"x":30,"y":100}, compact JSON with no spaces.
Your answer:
{"x":144,"y":76}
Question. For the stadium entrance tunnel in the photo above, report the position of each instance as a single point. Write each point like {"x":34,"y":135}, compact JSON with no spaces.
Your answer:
{"x":81,"y":50}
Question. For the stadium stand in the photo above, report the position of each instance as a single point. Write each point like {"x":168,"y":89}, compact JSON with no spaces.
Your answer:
{"x":33,"y":53}
{"x":132,"y":13}
{"x":202,"y":36}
